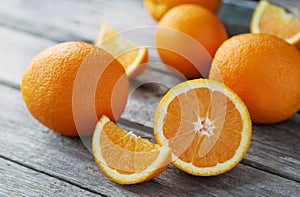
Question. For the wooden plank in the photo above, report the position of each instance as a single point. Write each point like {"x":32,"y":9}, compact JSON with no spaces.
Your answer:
{"x":61,"y":24}
{"x":240,"y":181}
{"x":64,"y":20}
{"x":275,"y":148}
{"x":17,"y":180}
{"x":25,"y":141}
{"x":17,"y":50}
{"x":236,"y":15}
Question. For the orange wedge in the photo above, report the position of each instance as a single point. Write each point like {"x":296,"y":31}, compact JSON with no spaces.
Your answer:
{"x":131,"y":55}
{"x":206,"y":125}
{"x":271,"y":19}
{"x":126,"y":158}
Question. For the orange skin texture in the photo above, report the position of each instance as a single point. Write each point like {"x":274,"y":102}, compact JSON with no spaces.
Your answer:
{"x":49,"y":81}
{"x":157,"y":8}
{"x":264,"y":71}
{"x":198,"y":26}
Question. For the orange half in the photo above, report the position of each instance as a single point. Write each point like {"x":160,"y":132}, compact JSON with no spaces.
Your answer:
{"x":206,"y":125}
{"x":271,"y":19}
{"x":132,"y":56}
{"x":124,"y":157}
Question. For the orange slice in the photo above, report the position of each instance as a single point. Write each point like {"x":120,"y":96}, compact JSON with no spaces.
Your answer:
{"x":272,"y":19}
{"x":124,"y":157}
{"x":206,"y":125}
{"x":131,"y":55}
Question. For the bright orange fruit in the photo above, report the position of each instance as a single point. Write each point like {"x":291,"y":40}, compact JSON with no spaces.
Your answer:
{"x":187,"y":38}
{"x":126,"y":158}
{"x":157,"y":8}
{"x":271,"y":19}
{"x":264,"y":71}
{"x":132,"y":56}
{"x":54,"y":75}
{"x":206,"y":125}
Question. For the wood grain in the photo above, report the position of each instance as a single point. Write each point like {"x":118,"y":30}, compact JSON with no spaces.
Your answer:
{"x":17,"y":180}
{"x":17,"y":50}
{"x":25,"y":141}
{"x":271,"y":166}
{"x":146,"y":92}
{"x":55,"y":19}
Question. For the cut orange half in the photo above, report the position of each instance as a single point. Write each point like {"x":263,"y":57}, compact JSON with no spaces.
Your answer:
{"x":124,"y":157}
{"x":132,"y":56}
{"x":206,"y":125}
{"x":271,"y":19}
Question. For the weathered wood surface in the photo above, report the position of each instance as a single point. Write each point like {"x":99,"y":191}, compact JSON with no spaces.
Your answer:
{"x":17,"y":180}
{"x":147,"y":90}
{"x":271,"y":167}
{"x":17,"y":49}
{"x":80,"y":19}
{"x":24,"y":141}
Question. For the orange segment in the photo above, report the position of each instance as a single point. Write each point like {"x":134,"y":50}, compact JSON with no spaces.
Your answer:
{"x":272,"y":19}
{"x":125,"y":157}
{"x":213,"y":137}
{"x":132,"y":56}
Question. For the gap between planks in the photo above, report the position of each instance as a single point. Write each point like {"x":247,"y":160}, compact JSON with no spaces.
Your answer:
{"x":50,"y":176}
{"x":31,"y":139}
{"x":147,"y":132}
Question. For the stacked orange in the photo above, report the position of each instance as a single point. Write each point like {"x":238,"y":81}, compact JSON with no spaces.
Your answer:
{"x":187,"y":38}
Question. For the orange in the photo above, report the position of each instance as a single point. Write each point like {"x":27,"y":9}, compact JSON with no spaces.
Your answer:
{"x":132,"y":56}
{"x":157,"y":8}
{"x":49,"y":91}
{"x":264,"y":71}
{"x":206,"y":125}
{"x":126,"y":158}
{"x":272,"y":19}
{"x":181,"y":35}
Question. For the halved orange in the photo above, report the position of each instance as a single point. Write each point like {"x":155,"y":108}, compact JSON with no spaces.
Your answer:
{"x":272,"y":19}
{"x":131,"y":55}
{"x":124,"y":157}
{"x":206,"y":125}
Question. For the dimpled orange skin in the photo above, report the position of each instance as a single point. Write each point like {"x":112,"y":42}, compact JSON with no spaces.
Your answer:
{"x":197,"y":23}
{"x":264,"y":71}
{"x":157,"y":8}
{"x":48,"y":83}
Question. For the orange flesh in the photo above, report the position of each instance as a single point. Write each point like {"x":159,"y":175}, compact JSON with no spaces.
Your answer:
{"x":192,"y":144}
{"x":111,"y":36}
{"x":126,"y":152}
{"x":275,"y":21}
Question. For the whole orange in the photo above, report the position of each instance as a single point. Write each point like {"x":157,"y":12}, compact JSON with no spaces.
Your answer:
{"x":157,"y":8}
{"x":264,"y":71}
{"x":70,"y":85}
{"x":187,"y":38}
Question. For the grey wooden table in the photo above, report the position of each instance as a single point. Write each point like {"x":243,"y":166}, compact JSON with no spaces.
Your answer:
{"x":35,"y":161}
